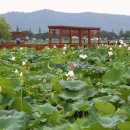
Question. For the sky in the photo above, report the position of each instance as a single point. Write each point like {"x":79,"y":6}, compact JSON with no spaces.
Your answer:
{"x":70,"y":6}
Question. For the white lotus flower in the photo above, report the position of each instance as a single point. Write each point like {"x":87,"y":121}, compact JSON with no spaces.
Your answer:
{"x":0,"y":89}
{"x":23,"y":63}
{"x":110,"y":49}
{"x":21,"y":74}
{"x":21,"y":48}
{"x":83,"y":56}
{"x":63,"y":52}
{"x":129,"y":48}
{"x":13,"y":58}
{"x":16,"y":71}
{"x":110,"y":53}
{"x":71,"y":73}
{"x":54,"y":47}
{"x":64,"y":48}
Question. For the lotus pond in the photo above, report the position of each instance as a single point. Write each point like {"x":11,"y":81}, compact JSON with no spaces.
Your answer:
{"x":65,"y":89}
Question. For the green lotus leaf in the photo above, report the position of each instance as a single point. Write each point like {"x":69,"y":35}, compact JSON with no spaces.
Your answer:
{"x":35,"y":77}
{"x":110,"y":121}
{"x":46,"y":109}
{"x":126,"y":73}
{"x":36,"y":122}
{"x":104,"y":108}
{"x":112,"y":76}
{"x":46,"y":87}
{"x":6,"y":100}
{"x":73,"y":84}
{"x":97,"y":127}
{"x":102,"y":51}
{"x":22,"y":105}
{"x":119,"y":65}
{"x":69,"y":113}
{"x":100,"y":69}
{"x":60,"y":127}
{"x":81,"y":105}
{"x":91,"y":93}
{"x":6,"y":70}
{"x":124,"y":125}
{"x":9,"y":82}
{"x":109,"y":91}
{"x":112,"y":98}
{"x":72,"y":127}
{"x":12,"y":120}
{"x":74,"y":95}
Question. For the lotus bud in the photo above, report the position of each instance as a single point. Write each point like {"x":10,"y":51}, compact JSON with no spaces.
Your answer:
{"x":16,"y":71}
{"x":23,"y":63}
{"x":13,"y":58}
{"x":21,"y":74}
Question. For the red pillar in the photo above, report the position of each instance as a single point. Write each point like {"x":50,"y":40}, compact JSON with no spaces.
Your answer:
{"x":60,"y":36}
{"x":70,"y":36}
{"x":80,"y":37}
{"x":89,"y":38}
{"x":49,"y":36}
{"x":98,"y":37}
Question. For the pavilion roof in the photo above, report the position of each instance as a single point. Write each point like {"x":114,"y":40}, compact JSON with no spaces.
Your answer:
{"x":73,"y":27}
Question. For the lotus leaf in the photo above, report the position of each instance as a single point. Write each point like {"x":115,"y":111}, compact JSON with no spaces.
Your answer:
{"x":112,"y":98}
{"x":74,"y":95}
{"x":112,"y":76}
{"x":12,"y":120}
{"x":74,"y":85}
{"x":81,"y":105}
{"x":104,"y":108}
{"x":124,"y":125}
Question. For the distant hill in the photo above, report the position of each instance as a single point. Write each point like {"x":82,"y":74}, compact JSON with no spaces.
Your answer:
{"x":43,"y":18}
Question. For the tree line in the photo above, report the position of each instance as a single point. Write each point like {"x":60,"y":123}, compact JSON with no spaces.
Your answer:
{"x":125,"y":35}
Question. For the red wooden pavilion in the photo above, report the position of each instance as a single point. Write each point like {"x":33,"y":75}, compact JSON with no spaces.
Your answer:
{"x":61,"y":35}
{"x":74,"y":35}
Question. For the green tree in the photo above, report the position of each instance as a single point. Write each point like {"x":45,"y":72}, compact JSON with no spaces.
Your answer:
{"x":4,"y":30}
{"x":39,"y":30}
{"x":126,"y":35}
{"x":104,"y":34}
{"x":17,"y":29}
{"x":112,"y":36}
{"x":120,"y":33}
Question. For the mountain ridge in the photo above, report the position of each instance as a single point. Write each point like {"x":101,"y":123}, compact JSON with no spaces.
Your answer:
{"x":44,"y":18}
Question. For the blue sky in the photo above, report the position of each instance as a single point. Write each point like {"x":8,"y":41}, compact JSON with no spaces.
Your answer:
{"x":72,"y":6}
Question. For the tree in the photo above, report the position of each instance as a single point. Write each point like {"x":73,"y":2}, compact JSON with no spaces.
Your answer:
{"x":104,"y":34}
{"x":120,"y":33}
{"x":112,"y":36}
{"x":4,"y":30}
{"x":17,"y":29}
{"x":39,"y":30}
